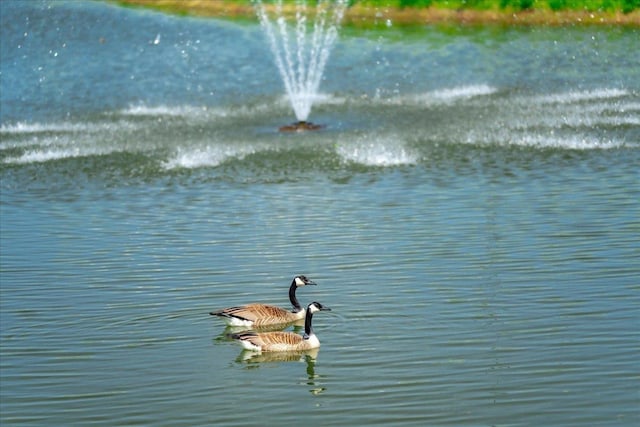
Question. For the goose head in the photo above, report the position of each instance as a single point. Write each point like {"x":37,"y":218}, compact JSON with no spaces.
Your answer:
{"x":302,"y":280}
{"x":314,"y":307}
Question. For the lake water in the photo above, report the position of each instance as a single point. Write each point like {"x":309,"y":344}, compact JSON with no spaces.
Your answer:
{"x":470,"y":212}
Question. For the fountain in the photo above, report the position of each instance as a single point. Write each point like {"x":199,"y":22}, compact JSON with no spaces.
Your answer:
{"x":301,"y":49}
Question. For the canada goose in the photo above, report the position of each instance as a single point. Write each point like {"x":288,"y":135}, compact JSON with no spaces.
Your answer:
{"x":280,"y":340}
{"x":257,"y":315}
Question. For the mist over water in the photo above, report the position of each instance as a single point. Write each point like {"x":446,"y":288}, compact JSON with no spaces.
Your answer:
{"x":469,"y":212}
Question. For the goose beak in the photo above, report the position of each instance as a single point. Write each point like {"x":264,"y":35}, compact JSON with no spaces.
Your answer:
{"x":309,"y":282}
{"x":325,"y":308}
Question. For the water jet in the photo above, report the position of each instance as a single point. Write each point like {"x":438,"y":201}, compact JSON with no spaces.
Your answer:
{"x":301,"y":48}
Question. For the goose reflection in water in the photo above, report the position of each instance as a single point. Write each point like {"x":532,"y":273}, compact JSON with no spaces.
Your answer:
{"x":296,"y":327}
{"x":253,"y":360}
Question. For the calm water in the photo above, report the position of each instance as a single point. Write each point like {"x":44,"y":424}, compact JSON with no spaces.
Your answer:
{"x":470,"y":213}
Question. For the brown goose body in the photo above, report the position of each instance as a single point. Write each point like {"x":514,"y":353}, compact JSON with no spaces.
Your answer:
{"x":257,"y":315}
{"x":283,"y":341}
{"x":261,"y":315}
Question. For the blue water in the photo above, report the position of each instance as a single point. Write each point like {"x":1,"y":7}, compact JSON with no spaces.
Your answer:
{"x":469,"y":212}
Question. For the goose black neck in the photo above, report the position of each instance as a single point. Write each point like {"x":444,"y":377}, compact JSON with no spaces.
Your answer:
{"x":292,"y":297}
{"x":308,"y":330}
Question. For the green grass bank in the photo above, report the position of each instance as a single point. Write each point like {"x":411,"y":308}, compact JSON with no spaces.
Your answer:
{"x":371,"y":13}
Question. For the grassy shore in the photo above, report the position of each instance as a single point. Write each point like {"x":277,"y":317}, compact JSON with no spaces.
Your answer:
{"x":371,"y":13}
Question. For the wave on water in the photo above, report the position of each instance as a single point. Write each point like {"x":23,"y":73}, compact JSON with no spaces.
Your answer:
{"x":208,"y":156}
{"x":460,"y":93}
{"x":599,"y":119}
{"x":574,"y":142}
{"x":24,"y":143}
{"x":380,"y":150}
{"x":571,"y":97}
{"x":39,"y":156}
{"x":232,"y":111}
{"x":546,"y":140}
{"x":577,"y":119}
{"x":443,"y":96}
{"x":24,"y":128}
{"x":188,"y":136}
{"x":142,"y":110}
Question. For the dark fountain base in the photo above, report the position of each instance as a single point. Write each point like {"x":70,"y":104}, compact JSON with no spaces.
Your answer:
{"x":300,"y":126}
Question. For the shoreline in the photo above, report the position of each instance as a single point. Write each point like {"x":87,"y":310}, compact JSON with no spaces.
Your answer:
{"x":364,"y":16}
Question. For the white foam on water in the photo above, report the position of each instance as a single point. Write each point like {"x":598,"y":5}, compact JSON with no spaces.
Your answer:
{"x":254,"y":110}
{"x":26,"y":128}
{"x":544,"y":140}
{"x":463,"y":92}
{"x":233,"y":111}
{"x":571,"y":97}
{"x":629,"y":106}
{"x":205,"y":113}
{"x":208,"y":156}
{"x":320,"y":99}
{"x":574,"y":142}
{"x":377,"y":151}
{"x":63,"y":127}
{"x":69,"y":140}
{"x":170,"y":111}
{"x":608,"y":107}
{"x":576,"y":119}
{"x":54,"y":141}
{"x":443,"y":96}
{"x":41,"y":156}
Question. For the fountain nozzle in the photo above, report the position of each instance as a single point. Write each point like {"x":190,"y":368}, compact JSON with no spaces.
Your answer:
{"x":300,"y":126}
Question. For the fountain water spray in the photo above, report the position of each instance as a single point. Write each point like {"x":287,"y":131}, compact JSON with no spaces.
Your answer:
{"x":301,"y":51}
